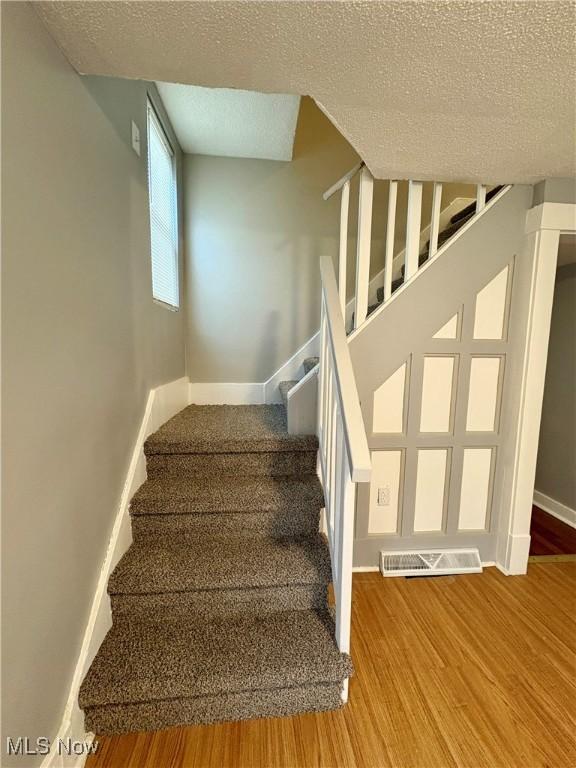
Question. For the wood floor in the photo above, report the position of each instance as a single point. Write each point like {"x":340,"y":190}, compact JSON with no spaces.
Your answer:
{"x":476,"y":671}
{"x":550,"y":536}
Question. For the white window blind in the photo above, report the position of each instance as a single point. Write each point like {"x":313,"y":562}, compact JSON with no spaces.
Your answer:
{"x":163,"y":214}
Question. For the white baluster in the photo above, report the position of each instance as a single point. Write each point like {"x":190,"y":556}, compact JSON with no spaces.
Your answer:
{"x":344,"y":557}
{"x":435,"y":219}
{"x":363,"y":249}
{"x":390,"y":227}
{"x":321,"y":372}
{"x":413,"y":228}
{"x":338,"y":497}
{"x":480,"y":197}
{"x":343,"y":250}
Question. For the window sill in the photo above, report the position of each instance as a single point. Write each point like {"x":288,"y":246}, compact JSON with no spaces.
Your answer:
{"x":169,"y":307}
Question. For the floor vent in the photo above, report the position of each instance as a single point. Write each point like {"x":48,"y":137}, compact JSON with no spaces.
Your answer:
{"x":437,"y":562}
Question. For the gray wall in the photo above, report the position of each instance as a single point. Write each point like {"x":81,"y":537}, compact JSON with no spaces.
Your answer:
{"x":556,"y":467}
{"x":82,"y":344}
{"x":255,"y":230}
{"x":555,"y":191}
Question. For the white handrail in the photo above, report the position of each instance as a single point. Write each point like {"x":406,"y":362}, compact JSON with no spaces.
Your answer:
{"x":340,"y":183}
{"x":344,"y":457}
{"x":360,"y":464}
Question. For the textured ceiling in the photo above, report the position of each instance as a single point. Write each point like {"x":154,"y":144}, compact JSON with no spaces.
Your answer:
{"x":468,"y":90}
{"x":231,"y":123}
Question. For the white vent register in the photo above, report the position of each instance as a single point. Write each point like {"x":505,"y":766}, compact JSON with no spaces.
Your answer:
{"x":438,"y":562}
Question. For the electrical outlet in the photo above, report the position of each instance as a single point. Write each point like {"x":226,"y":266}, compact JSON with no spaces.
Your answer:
{"x":135,"y":138}
{"x":384,"y":496}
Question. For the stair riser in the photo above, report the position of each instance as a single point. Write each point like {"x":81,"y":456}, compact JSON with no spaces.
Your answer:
{"x":208,"y":604}
{"x":278,"y":463}
{"x":156,"y":715}
{"x":286,"y":523}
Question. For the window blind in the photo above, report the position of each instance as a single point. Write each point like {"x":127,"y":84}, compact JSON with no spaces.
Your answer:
{"x":163,"y":214}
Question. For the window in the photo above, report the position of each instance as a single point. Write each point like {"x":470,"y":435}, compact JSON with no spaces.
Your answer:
{"x":162,"y":194}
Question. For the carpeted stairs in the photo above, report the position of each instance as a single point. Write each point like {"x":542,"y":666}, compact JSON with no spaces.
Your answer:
{"x":220,"y":604}
{"x":285,"y":386}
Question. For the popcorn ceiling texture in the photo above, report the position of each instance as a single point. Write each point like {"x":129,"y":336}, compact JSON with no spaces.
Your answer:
{"x":449,"y":90}
{"x":229,"y":122}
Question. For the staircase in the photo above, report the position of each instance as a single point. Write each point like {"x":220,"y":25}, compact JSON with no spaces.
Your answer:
{"x":285,"y":386}
{"x":220,"y":604}
{"x":456,"y":222}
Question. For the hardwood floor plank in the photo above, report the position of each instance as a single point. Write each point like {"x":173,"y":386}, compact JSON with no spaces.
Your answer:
{"x":471,"y":671}
{"x":550,"y":536}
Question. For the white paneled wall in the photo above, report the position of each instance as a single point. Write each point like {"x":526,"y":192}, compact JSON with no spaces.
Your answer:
{"x":483,"y":394}
{"x":435,"y":415}
{"x":430,"y":489}
{"x":475,"y":488}
{"x":389,"y":404}
{"x":491,"y":308}
{"x":436,"y":420}
{"x":449,"y":330}
{"x":387,"y":474}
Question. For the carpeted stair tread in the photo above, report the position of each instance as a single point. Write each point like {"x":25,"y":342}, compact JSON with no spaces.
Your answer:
{"x":180,"y":495}
{"x":227,"y":429}
{"x":185,"y":710}
{"x":146,"y":660}
{"x":214,"y":563}
{"x":310,"y":363}
{"x":285,"y":387}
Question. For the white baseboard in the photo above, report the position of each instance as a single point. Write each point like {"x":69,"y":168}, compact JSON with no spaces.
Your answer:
{"x":374,"y":568}
{"x":163,"y":403}
{"x":292,"y":369}
{"x":517,"y":558}
{"x":255,"y":393}
{"x":221,"y":393}
{"x":555,"y":508}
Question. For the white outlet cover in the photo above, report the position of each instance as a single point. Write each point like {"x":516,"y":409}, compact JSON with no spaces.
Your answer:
{"x":135,"y":138}
{"x":384,"y":496}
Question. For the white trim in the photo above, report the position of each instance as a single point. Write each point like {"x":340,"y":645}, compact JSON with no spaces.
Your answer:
{"x":555,"y":508}
{"x":163,"y":403}
{"x":340,"y":183}
{"x":222,"y":393}
{"x":291,"y":369}
{"x":517,"y":559}
{"x":556,"y":216}
{"x":542,"y":248}
{"x":463,"y":229}
{"x":376,"y":568}
{"x":502,"y":569}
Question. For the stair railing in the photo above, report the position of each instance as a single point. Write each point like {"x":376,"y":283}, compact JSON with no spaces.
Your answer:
{"x":364,"y":235}
{"x":343,"y":449}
